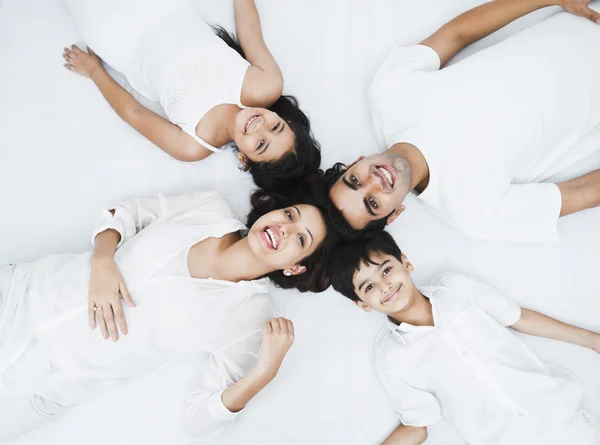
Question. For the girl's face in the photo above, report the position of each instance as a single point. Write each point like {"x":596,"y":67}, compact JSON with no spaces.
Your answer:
{"x":261,"y":135}
{"x":282,"y":238}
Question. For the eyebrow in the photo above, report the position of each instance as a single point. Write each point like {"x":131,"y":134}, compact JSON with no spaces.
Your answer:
{"x":368,"y":207}
{"x":312,"y":239}
{"x":349,"y":184}
{"x":281,"y":128}
{"x":367,"y":279}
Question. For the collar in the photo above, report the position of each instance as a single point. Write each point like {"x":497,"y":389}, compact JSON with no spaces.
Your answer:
{"x":399,"y":328}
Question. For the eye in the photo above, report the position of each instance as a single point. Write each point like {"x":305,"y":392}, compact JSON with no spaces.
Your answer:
{"x":386,"y":271}
{"x":354,"y":180}
{"x":369,"y":288}
{"x":301,"y":239}
{"x":288,"y":215}
{"x":276,"y":126}
{"x":372,"y":203}
{"x":261,"y":144}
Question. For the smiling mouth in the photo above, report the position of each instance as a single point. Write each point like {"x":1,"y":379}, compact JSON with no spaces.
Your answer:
{"x":386,"y":173}
{"x":270,"y":238}
{"x":392,"y":295}
{"x":249,"y":122}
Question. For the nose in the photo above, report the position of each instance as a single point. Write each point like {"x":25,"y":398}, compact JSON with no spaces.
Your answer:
{"x":373,"y":183}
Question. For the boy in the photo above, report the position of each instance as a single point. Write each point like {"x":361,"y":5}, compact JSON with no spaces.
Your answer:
{"x":445,"y":350}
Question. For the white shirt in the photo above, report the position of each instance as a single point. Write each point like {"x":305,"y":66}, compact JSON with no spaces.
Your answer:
{"x":494,"y":125}
{"x":470,"y":369}
{"x":47,"y":347}
{"x":168,"y":54}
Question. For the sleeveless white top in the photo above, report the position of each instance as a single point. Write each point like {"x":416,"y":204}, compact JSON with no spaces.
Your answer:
{"x":168,"y":54}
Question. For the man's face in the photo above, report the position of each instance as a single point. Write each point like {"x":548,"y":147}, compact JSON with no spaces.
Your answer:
{"x":372,"y":188}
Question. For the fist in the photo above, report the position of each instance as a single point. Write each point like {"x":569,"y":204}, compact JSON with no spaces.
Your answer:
{"x":278,"y":336}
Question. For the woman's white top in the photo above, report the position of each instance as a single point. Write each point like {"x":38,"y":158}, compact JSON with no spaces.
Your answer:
{"x":168,"y":54}
{"x":48,"y":348}
{"x":470,"y":369}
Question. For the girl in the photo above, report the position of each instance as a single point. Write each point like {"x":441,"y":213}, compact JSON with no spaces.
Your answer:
{"x":210,"y":93}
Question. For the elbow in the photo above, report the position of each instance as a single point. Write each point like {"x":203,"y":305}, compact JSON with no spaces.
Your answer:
{"x":270,"y":92}
{"x":420,"y":435}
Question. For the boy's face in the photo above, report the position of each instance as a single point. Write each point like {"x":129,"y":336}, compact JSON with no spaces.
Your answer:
{"x":386,"y":286}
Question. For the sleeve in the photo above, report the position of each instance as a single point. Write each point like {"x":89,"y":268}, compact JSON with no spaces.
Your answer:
{"x":406,"y":60}
{"x":205,"y":413}
{"x":519,"y":213}
{"x":130,"y":217}
{"x":415,"y":407}
{"x":496,"y":305}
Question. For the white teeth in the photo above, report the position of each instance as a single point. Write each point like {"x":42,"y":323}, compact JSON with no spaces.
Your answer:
{"x":272,"y":238}
{"x":387,"y":175}
{"x":250,"y":123}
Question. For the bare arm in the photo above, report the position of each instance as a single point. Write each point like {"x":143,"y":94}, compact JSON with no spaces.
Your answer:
{"x":407,"y":435}
{"x":153,"y":127}
{"x":483,"y":20}
{"x":264,"y":81}
{"x":534,"y":323}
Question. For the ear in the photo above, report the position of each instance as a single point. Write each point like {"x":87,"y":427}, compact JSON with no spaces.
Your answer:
{"x":243,"y":159}
{"x":294,"y":270}
{"x":407,"y":264}
{"x":364,"y":306}
{"x":395,"y":215}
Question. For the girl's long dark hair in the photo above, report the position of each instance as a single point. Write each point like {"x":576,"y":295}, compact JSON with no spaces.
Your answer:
{"x":306,"y":158}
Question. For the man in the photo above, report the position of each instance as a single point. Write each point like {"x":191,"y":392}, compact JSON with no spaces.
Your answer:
{"x":476,"y":139}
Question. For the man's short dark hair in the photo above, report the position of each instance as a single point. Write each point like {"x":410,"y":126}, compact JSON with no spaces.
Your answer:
{"x":348,"y":256}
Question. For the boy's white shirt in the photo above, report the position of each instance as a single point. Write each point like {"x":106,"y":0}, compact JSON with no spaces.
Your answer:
{"x":473,"y":371}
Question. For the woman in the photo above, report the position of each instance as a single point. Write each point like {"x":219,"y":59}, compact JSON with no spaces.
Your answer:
{"x":210,"y":93}
{"x":200,"y":289}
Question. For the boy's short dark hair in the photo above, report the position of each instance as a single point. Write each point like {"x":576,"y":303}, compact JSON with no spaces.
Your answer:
{"x":348,"y":256}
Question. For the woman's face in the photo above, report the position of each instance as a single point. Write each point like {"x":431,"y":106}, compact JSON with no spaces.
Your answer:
{"x":282,"y":238}
{"x":261,"y":135}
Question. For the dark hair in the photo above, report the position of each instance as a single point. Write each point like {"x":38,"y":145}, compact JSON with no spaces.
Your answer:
{"x":316,"y":276}
{"x":349,"y":256}
{"x":304,"y":160}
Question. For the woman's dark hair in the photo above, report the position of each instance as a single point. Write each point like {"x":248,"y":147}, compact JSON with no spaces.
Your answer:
{"x":349,"y":256}
{"x":316,"y":276}
{"x":304,"y":160}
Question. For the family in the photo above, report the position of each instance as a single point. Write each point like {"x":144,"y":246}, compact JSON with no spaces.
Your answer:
{"x":476,"y":141}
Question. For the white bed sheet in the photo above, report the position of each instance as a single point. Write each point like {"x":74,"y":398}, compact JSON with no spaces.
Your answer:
{"x":64,"y":154}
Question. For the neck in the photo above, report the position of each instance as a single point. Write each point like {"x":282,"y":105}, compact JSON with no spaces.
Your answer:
{"x":237,"y":262}
{"x":417,"y":313}
{"x":227,"y":119}
{"x":419,"y":178}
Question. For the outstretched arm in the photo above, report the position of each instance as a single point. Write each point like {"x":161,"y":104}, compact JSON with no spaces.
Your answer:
{"x":264,"y":82}
{"x":158,"y":130}
{"x":534,"y":323}
{"x":407,"y":435}
{"x":483,"y":20}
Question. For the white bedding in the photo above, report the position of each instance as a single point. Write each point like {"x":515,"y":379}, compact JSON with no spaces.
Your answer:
{"x":64,"y":154}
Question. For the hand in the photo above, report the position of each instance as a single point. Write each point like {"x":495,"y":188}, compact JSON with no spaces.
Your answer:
{"x":278,"y":336}
{"x":580,"y":8}
{"x":106,"y":288}
{"x":80,"y":62}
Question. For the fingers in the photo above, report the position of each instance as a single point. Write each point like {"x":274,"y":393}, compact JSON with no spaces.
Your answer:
{"x":126,"y":295}
{"x":120,"y":316}
{"x":281,"y":325}
{"x":290,"y":327}
{"x":102,"y":322}
{"x":109,"y":317}
{"x":268,"y":329}
{"x":75,"y":49}
{"x":91,"y":314}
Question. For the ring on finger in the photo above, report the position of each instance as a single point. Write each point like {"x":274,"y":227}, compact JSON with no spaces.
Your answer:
{"x":96,"y":308}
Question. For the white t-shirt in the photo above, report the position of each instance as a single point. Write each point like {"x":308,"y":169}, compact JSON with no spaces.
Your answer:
{"x":495,"y":124}
{"x":470,"y":369}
